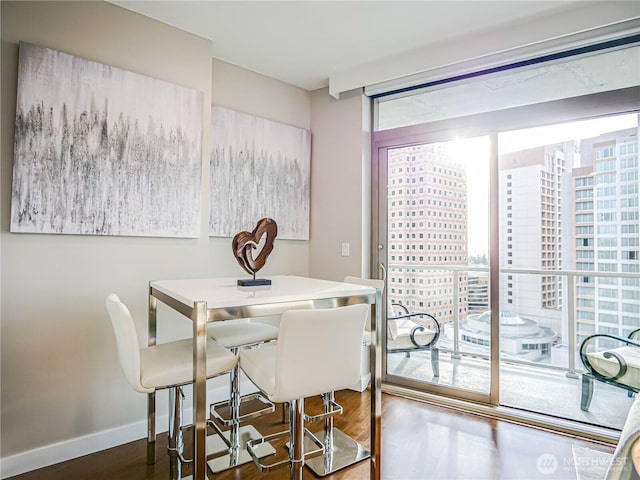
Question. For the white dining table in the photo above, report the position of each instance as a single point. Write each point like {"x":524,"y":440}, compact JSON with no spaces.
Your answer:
{"x":215,"y":299}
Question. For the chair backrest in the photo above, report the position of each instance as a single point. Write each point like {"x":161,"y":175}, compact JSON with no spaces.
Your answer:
{"x":318,"y":351}
{"x":392,"y":327}
{"x":126,"y":340}
{"x":367,"y":282}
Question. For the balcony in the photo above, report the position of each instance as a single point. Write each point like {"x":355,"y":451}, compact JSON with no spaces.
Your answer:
{"x":542,"y":377}
{"x":522,"y":386}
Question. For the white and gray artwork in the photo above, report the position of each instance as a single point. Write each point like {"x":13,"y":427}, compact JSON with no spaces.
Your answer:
{"x":103,"y":151}
{"x":259,"y":168}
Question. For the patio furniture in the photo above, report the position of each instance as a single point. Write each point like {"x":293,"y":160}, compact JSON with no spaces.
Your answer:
{"x":610,"y":359}
{"x":406,"y":332}
{"x":412,"y":331}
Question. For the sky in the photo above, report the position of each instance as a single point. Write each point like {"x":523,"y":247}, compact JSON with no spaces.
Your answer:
{"x":474,"y":153}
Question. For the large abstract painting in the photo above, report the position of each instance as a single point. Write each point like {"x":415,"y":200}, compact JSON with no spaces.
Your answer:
{"x":103,"y":151}
{"x":259,"y":168}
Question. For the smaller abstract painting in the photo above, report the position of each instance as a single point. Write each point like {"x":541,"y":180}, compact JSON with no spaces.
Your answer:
{"x":259,"y":168}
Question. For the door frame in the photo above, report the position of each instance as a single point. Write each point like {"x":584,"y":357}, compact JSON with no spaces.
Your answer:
{"x":614,"y":102}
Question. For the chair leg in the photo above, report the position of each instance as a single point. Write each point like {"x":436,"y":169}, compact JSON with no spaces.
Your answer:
{"x":175,"y":445}
{"x":234,"y":412}
{"x":234,"y":440}
{"x":339,"y":449}
{"x":587,"y":392}
{"x":327,"y":398}
{"x":296,"y":429}
{"x":435,"y":362}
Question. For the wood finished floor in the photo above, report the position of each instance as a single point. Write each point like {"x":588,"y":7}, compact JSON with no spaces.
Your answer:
{"x":419,"y":442}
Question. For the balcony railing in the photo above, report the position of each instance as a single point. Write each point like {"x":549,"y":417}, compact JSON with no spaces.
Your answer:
{"x":565,"y":305}
{"x":466,"y":364}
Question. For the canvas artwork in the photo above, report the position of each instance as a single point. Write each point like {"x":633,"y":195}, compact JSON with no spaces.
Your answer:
{"x":103,"y":151}
{"x":259,"y":168}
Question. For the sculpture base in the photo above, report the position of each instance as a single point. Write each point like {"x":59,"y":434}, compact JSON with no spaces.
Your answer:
{"x":254,"y":282}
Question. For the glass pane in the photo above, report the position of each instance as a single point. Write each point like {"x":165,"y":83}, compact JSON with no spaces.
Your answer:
{"x":569,"y":259}
{"x":438,"y":202}
{"x":523,"y":86}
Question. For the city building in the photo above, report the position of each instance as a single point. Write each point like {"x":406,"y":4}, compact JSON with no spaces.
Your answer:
{"x":427,"y":211}
{"x":606,"y":199}
{"x":531,"y":223}
{"x":520,"y":338}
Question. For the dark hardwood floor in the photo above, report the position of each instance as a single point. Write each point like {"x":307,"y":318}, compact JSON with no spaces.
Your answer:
{"x":419,"y":441}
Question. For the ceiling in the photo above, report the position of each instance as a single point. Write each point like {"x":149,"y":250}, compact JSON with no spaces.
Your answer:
{"x":303,"y":43}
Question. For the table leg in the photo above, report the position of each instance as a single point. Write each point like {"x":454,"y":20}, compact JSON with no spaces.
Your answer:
{"x":151,"y":397}
{"x":151,"y":428}
{"x":200,"y":390}
{"x":376,"y":385}
{"x":296,"y":447}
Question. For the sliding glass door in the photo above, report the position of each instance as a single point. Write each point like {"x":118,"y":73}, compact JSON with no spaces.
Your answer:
{"x":569,"y":258}
{"x":516,"y":245}
{"x":434,"y":197}
{"x":506,"y":208}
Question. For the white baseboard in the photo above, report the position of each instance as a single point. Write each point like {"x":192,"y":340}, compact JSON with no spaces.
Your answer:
{"x":77,"y":447}
{"x":362,"y":385}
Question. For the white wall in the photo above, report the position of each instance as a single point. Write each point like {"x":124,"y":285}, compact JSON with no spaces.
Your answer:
{"x":62,"y":390}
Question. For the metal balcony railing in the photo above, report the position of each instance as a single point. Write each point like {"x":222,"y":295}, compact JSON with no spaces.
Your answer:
{"x":566,"y":301}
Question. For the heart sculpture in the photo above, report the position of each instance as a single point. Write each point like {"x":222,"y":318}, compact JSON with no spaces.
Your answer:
{"x":244,"y":243}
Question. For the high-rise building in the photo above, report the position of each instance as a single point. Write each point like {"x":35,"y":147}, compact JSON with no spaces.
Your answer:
{"x":427,"y":221}
{"x":478,"y":285}
{"x":607,"y":240}
{"x":531,"y":222}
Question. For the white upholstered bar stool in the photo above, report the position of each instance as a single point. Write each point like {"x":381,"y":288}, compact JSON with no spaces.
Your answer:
{"x":236,"y":335}
{"x":317,"y":351}
{"x":167,"y":365}
{"x":340,"y":450}
{"x":366,"y":337}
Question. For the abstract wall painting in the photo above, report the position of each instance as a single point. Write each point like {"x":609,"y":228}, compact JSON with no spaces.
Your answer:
{"x":259,"y":168}
{"x":103,"y":151}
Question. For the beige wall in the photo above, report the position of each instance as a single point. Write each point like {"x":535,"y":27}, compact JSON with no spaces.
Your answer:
{"x":60,"y":376}
{"x":340,"y":185}
{"x":249,"y":92}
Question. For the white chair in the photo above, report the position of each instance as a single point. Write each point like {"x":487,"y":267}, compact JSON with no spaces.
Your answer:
{"x":317,"y":351}
{"x":340,"y":450}
{"x":167,"y":365}
{"x":409,"y":332}
{"x":403,"y":335}
{"x":236,"y":335}
{"x":406,"y":332}
{"x":366,"y":337}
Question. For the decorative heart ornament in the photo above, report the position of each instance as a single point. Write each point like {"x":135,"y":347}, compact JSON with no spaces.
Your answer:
{"x":244,"y":244}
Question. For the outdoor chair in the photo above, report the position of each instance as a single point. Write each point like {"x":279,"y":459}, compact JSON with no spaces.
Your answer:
{"x":610,"y":359}
{"x":412,"y":331}
{"x":406,"y":332}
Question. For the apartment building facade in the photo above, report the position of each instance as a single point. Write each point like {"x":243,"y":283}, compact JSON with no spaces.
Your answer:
{"x":607,"y":239}
{"x":427,"y":227}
